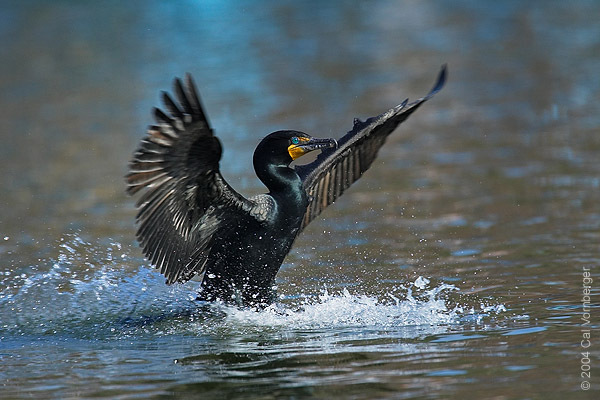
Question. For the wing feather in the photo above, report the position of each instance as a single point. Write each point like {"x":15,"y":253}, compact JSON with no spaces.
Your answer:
{"x":176,"y":168}
{"x":334,"y":170}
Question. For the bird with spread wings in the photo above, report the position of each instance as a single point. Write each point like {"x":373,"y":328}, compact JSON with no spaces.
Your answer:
{"x":192,"y":223}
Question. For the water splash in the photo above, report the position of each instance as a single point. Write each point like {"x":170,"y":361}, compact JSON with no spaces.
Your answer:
{"x":88,"y":290}
{"x":347,"y":310}
{"x":92,"y":291}
{"x":400,"y":307}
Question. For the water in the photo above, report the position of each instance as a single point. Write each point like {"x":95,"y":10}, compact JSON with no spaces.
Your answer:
{"x":454,"y":269}
{"x":147,"y":338}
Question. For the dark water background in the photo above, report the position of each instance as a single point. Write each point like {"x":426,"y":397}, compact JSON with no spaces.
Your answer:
{"x":453,"y":269}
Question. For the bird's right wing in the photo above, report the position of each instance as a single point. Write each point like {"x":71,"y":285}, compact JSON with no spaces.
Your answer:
{"x":185,"y":201}
{"x":334,"y":170}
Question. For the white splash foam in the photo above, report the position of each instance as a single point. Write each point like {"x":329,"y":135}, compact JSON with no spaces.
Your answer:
{"x":352,"y":310}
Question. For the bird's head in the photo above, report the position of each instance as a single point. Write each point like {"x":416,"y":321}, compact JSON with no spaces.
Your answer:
{"x":283,"y":147}
{"x":275,"y":152}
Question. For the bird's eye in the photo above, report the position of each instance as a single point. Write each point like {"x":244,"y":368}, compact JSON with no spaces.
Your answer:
{"x":295,"y":140}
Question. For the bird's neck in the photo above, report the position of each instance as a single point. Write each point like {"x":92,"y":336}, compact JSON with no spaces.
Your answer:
{"x":283,"y":181}
{"x":278,"y":177}
{"x":285,"y":186}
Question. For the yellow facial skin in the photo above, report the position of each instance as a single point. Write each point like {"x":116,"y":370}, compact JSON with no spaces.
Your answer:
{"x":295,"y":150}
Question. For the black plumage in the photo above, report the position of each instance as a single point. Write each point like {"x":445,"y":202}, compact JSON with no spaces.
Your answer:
{"x":192,"y":223}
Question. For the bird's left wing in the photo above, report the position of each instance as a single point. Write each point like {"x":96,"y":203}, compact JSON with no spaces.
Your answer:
{"x":334,"y":170}
{"x":185,"y":201}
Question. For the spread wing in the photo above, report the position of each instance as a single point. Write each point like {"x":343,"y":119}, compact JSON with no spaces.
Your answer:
{"x":334,"y":170}
{"x":185,"y":201}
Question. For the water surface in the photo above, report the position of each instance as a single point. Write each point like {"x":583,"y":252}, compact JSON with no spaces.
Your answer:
{"x":453,"y":269}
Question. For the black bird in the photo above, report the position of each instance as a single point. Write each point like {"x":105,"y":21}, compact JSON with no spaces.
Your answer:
{"x":192,"y":223}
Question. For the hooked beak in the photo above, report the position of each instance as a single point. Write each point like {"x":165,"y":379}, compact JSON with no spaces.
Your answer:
{"x":309,"y":144}
{"x":314,"y":144}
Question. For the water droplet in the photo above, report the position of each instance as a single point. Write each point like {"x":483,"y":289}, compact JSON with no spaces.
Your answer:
{"x":421,"y":282}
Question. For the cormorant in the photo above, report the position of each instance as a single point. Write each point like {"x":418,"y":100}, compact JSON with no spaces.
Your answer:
{"x":192,"y":223}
